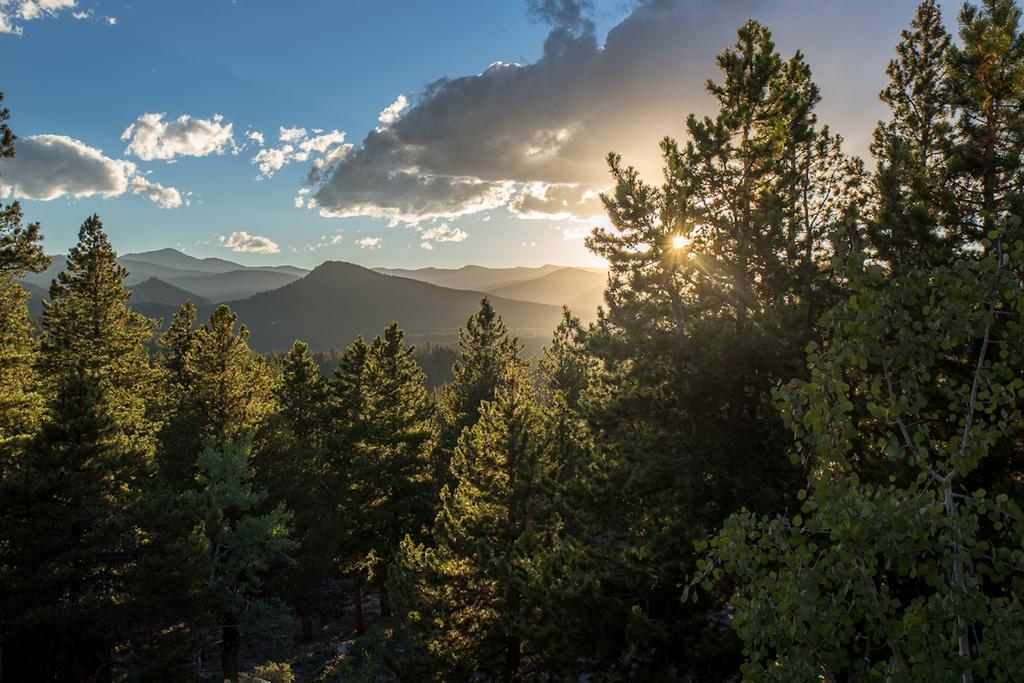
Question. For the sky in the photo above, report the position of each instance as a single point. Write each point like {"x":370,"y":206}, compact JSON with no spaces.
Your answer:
{"x":385,"y":133}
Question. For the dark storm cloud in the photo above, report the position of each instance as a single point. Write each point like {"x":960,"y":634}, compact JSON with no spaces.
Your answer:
{"x":476,"y":142}
{"x":567,"y":14}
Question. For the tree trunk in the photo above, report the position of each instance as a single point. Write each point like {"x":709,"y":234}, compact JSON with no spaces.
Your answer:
{"x":360,"y":620}
{"x":229,"y":647}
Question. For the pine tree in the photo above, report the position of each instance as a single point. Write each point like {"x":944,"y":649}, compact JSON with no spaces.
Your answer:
{"x":567,"y":366}
{"x":904,"y":560}
{"x":300,"y":397}
{"x":90,"y":331}
{"x":986,"y":74}
{"x":20,"y":402}
{"x":68,"y":518}
{"x":567,"y":370}
{"x":20,"y":253}
{"x":348,"y":397}
{"x":391,"y":489}
{"x":226,"y":392}
{"x":178,"y":340}
{"x":716,"y":281}
{"x":910,"y":569}
{"x":476,"y":595}
{"x":290,"y":465}
{"x":7,"y":136}
{"x":20,"y":248}
{"x":485,"y":352}
{"x":346,"y":425}
{"x":240,"y":545}
{"x":914,"y":214}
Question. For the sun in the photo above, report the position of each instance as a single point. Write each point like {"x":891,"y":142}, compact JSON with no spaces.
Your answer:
{"x":680,"y":242}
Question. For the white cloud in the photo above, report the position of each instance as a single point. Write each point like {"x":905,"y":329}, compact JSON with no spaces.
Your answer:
{"x":150,"y":137}
{"x":290,"y":134}
{"x":255,"y":136}
{"x":13,"y":12}
{"x":444,"y":233}
{"x":393,"y":111}
{"x":166,"y":197}
{"x":272,"y":159}
{"x":82,"y":15}
{"x":243,"y":242}
{"x":302,"y":197}
{"x":46,"y":167}
{"x":111,"y":21}
{"x":426,"y":245}
{"x":322,"y":143}
{"x":558,"y":201}
{"x":323,"y":148}
{"x":369,"y":242}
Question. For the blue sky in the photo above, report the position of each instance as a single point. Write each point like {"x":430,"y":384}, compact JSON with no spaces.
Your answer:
{"x":498,"y":165}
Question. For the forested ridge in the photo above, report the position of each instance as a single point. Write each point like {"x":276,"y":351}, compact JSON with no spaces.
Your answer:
{"x":789,"y":448}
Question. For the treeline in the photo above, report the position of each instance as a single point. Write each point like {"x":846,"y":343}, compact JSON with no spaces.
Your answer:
{"x":789,"y":449}
{"x":436,"y":360}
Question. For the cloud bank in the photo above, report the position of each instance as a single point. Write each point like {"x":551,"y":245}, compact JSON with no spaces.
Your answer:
{"x":533,"y":137}
{"x":46,"y":167}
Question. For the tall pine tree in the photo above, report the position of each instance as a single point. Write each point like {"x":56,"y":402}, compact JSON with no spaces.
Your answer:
{"x":20,"y":401}
{"x":914,"y":217}
{"x":716,"y":281}
{"x":391,"y":489}
{"x":89,"y":330}
{"x":69,"y":520}
{"x":291,"y":466}
{"x":485,"y":352}
{"x":476,"y":595}
{"x":224,"y":394}
{"x":987,"y":90}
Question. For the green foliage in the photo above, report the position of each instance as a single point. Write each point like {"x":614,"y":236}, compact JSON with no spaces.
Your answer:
{"x":485,"y":352}
{"x":716,"y":281}
{"x":390,"y":491}
{"x":475,"y":596}
{"x":7,"y":136}
{"x":20,"y":402}
{"x":223,"y":393}
{"x":68,"y":531}
{"x":235,"y":545}
{"x":789,"y":449}
{"x":986,"y":79}
{"x":242,"y":544}
{"x":20,"y":248}
{"x":290,"y":464}
{"x":915,"y":215}
{"x":921,"y":572}
{"x":274,"y":672}
{"x":90,"y":331}
{"x":176,"y":342}
{"x":903,"y":560}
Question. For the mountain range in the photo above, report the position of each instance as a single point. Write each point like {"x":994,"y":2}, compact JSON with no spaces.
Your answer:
{"x":335,"y":302}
